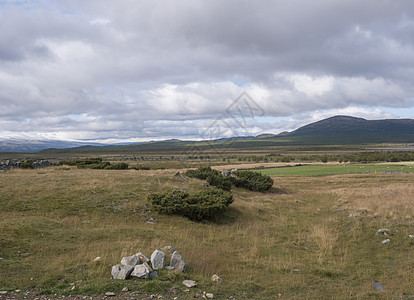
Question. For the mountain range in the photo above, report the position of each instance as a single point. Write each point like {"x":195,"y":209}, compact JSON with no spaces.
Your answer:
{"x":337,"y":130}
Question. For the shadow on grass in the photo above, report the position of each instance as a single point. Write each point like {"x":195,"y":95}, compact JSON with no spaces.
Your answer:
{"x":277,"y":190}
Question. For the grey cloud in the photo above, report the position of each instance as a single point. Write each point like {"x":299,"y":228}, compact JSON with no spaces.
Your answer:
{"x":126,"y":66}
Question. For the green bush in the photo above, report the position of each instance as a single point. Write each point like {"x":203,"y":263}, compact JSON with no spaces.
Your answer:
{"x":205,"y":205}
{"x":213,"y":177}
{"x":95,"y":163}
{"x":98,"y":166}
{"x":252,"y":181}
{"x":219,"y":181}
{"x":27,"y":164}
{"x":202,"y":173}
{"x":118,"y":166}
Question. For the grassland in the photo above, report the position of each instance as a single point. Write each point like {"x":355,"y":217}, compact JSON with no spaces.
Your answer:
{"x":309,"y":238}
{"x":337,"y":169}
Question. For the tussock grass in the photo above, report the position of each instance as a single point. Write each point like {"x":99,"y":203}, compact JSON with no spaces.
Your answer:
{"x":314,"y":240}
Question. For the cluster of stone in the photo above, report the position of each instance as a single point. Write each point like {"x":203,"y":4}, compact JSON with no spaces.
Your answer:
{"x":139,"y":265}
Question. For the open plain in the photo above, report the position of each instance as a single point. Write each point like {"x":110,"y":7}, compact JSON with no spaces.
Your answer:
{"x":307,"y":238}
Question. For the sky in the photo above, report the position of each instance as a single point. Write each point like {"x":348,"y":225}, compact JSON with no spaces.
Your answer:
{"x":138,"y":70}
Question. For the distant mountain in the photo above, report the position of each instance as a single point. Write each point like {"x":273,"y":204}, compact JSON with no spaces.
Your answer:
{"x":346,"y":130}
{"x":338,"y":130}
{"x":27,"y":145}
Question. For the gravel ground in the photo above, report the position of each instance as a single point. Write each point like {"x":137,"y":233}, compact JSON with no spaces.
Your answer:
{"x":121,"y":295}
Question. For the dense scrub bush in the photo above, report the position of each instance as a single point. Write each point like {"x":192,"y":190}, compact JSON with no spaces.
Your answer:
{"x":27,"y":164}
{"x":245,"y":179}
{"x":118,"y":166}
{"x":219,"y":181}
{"x":205,"y":205}
{"x":202,"y":173}
{"x":95,"y":163}
{"x":252,"y":181}
{"x":213,"y":177}
{"x":141,"y":168}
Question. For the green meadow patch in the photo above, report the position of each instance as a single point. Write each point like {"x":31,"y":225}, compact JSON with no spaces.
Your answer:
{"x":339,"y":169}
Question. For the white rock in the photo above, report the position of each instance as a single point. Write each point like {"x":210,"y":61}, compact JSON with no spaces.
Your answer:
{"x":132,"y":260}
{"x":209,"y":296}
{"x":386,"y":241}
{"x":384,"y":231}
{"x":411,"y":235}
{"x":110,"y":294}
{"x":158,"y":259}
{"x":189,"y":283}
{"x":216,"y":278}
{"x":125,"y":289}
{"x":141,"y":271}
{"x":98,"y":258}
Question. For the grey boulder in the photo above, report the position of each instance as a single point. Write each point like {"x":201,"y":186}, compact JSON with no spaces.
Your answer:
{"x":141,"y":271}
{"x":158,"y":259}
{"x":178,"y":263}
{"x":121,"y":272}
{"x":132,"y":260}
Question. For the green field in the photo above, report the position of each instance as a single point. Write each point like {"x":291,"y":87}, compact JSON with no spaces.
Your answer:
{"x":325,"y":170}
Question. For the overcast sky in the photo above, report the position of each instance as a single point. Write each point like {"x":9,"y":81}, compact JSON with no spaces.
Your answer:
{"x":130,"y":70}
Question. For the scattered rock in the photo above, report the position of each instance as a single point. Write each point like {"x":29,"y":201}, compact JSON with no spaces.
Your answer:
{"x":110,"y":294}
{"x":386,"y":241}
{"x":411,"y":235}
{"x":125,"y":289}
{"x":383,"y":231}
{"x":157,"y":259}
{"x":378,"y":287}
{"x":141,"y":271}
{"x":142,"y":257}
{"x":358,"y":213}
{"x":121,"y":272}
{"x":209,"y":295}
{"x":153,"y":274}
{"x":216,"y":278}
{"x":169,"y":268}
{"x":132,"y":260}
{"x":177,"y":262}
{"x":98,"y":258}
{"x":151,"y":220}
{"x":169,"y":249}
{"x":297,"y":270}
{"x":3,"y":292}
{"x":189,"y":283}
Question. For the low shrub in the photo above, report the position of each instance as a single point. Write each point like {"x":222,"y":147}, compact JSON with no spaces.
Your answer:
{"x":27,"y":164}
{"x":202,"y":173}
{"x":204,"y":205}
{"x":118,"y":166}
{"x":252,"y":181}
{"x":95,"y":163}
{"x":219,"y":181}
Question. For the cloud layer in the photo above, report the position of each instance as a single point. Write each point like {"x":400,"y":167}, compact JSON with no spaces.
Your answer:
{"x":131,"y":70}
